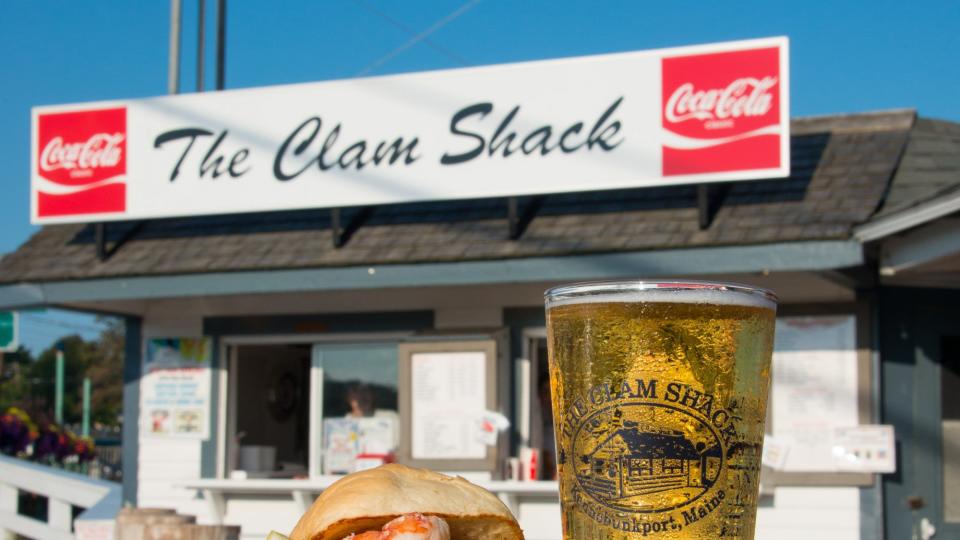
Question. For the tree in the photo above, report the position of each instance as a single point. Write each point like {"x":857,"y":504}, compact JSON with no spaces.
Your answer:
{"x":78,"y":356}
{"x":100,"y":359}
{"x":14,"y":383}
{"x":106,"y":373}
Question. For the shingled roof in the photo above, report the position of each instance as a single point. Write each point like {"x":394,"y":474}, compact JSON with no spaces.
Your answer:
{"x":842,"y":168}
{"x":930,"y":167}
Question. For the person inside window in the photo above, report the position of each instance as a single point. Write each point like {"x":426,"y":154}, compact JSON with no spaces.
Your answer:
{"x":360,"y":400}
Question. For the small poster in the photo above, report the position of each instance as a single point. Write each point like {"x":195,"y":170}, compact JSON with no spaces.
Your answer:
{"x":774,"y":453}
{"x":489,"y":426}
{"x":448,"y":400}
{"x":347,"y":438}
{"x":176,"y":388}
{"x":341,"y":439}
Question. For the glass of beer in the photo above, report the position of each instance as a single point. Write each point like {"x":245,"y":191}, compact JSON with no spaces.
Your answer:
{"x":659,"y":396}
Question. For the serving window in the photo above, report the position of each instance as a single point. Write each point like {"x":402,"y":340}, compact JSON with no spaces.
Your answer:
{"x":295,"y":410}
{"x":535,"y":400}
{"x":301,"y":409}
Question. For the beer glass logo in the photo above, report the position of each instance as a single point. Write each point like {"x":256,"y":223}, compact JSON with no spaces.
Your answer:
{"x":646,"y":457}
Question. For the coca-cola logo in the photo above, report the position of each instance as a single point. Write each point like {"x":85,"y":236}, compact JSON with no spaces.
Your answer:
{"x":721,"y":111}
{"x":100,"y":150}
{"x":81,"y":162}
{"x":747,"y":96}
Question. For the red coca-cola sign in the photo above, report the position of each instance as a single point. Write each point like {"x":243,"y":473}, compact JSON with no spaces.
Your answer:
{"x":82,"y":162}
{"x":721,"y":112}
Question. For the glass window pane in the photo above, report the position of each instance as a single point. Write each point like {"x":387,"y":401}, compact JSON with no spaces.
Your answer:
{"x":361,"y":423}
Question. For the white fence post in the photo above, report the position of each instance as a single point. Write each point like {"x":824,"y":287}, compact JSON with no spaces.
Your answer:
{"x":59,"y":514}
{"x":8,"y":503}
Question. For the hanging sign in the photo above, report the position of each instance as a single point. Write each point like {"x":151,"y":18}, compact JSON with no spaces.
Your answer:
{"x":697,"y":114}
{"x":9,"y":331}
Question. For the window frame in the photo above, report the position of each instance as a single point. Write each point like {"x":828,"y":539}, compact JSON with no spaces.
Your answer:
{"x":529,"y":407}
{"x":488,"y":346}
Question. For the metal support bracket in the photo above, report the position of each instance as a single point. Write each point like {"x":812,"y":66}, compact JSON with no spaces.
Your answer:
{"x":341,"y":234}
{"x":100,"y":233}
{"x":518,"y":221}
{"x":709,"y":199}
{"x":104,"y":251}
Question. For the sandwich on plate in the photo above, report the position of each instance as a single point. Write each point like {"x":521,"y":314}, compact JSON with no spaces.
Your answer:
{"x":394,"y":502}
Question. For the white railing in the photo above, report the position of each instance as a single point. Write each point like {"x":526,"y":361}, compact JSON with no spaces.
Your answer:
{"x":63,"y":490}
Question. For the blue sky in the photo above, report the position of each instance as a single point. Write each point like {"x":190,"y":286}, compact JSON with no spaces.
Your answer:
{"x":40,"y":329}
{"x":846,"y":56}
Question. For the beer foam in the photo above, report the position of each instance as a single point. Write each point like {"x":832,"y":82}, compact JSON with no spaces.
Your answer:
{"x":674,"y":293}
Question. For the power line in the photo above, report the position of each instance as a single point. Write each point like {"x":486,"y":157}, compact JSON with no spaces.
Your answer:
{"x":419,"y":37}
{"x":426,"y":41}
{"x":62,"y":324}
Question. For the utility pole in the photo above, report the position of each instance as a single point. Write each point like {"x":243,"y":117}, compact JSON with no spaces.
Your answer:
{"x":221,"y":43}
{"x":201,"y":13}
{"x":173,"y":71}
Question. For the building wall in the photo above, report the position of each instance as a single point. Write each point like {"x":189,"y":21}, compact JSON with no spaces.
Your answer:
{"x":801,"y":513}
{"x":793,"y":512}
{"x":164,"y":463}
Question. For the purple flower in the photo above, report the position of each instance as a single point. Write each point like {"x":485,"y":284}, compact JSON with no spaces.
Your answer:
{"x":15,"y":433}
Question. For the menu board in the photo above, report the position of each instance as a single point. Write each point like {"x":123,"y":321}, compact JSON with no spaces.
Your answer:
{"x":815,"y":388}
{"x":176,"y":388}
{"x":448,"y":396}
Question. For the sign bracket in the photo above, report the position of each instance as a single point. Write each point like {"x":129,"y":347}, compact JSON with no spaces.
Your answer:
{"x":104,"y":251}
{"x":517,"y":221}
{"x":709,"y":200}
{"x":342,"y":234}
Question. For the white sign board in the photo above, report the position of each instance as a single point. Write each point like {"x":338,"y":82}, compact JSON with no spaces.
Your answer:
{"x":814,"y":388}
{"x":696,"y":114}
{"x":175,"y":388}
{"x":9,"y":331}
{"x":448,"y":391}
{"x":867,"y":448}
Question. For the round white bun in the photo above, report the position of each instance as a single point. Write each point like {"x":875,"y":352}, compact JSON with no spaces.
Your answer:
{"x":367,"y":500}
